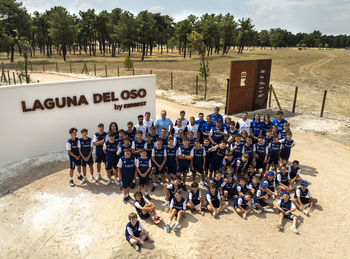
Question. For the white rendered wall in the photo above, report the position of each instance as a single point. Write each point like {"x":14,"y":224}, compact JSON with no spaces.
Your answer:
{"x":40,"y":131}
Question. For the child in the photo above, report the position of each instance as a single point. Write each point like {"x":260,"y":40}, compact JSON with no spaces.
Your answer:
{"x":257,"y":127}
{"x":154,"y":134}
{"x":237,"y":147}
{"x":227,"y":123}
{"x":241,"y":165}
{"x":260,"y":199}
{"x":215,"y":203}
{"x":274,"y":130}
{"x":122,"y":147}
{"x":130,"y":131}
{"x":149,"y":144}
{"x":218,"y":181}
{"x":121,"y":137}
{"x":164,"y":137}
{"x":138,"y":144}
{"x":287,"y":145}
{"x":254,"y":185}
{"x":261,"y":155}
{"x":132,"y":233}
{"x":178,"y":126}
{"x":143,"y":166}
{"x":243,"y":205}
{"x":194,"y":200}
{"x":145,"y":208}
{"x":274,"y":153}
{"x":86,"y":147}
{"x":217,"y":156}
{"x":178,"y":209}
{"x":232,"y":129}
{"x":249,"y":149}
{"x":244,"y":135}
{"x":228,"y":160}
{"x":229,"y":188}
{"x":286,"y":207}
{"x":110,"y":149}
{"x":141,"y":126}
{"x":184,"y":158}
{"x":192,"y":127}
{"x":169,"y":191}
{"x":171,"y":161}
{"x":198,"y":161}
{"x":127,"y":172}
{"x":242,"y":188}
{"x":286,"y":129}
{"x":294,"y":172}
{"x":206,"y":128}
{"x":178,"y":141}
{"x":217,"y":133}
{"x":208,"y":147}
{"x":268,"y":138}
{"x":272,"y":190}
{"x":284,"y":181}
{"x":251,"y":173}
{"x":159,"y":157}
{"x":74,"y":157}
{"x":99,"y":140}
{"x":301,"y":200}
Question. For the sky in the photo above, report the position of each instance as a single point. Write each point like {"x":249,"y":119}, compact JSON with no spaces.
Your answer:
{"x":327,"y":16}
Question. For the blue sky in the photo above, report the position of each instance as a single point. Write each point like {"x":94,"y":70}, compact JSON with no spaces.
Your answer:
{"x":327,"y":16}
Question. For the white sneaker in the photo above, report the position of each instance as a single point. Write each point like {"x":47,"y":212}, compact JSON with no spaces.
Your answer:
{"x":84,"y":180}
{"x":116,"y":181}
{"x":98,"y":177}
{"x":279,"y":226}
{"x":137,"y":248}
{"x":273,"y":197}
{"x":306,"y":212}
{"x":93,"y":179}
{"x":225,"y":210}
{"x":294,"y":229}
{"x":260,"y":211}
{"x":269,"y":210}
{"x":251,"y":212}
{"x":306,"y":205}
{"x":108,"y":182}
{"x":244,"y":215}
{"x":166,"y":205}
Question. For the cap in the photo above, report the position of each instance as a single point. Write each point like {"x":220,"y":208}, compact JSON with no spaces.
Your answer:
{"x":271,"y":173}
{"x":263,"y":184}
{"x":285,"y":192}
{"x":304,"y":182}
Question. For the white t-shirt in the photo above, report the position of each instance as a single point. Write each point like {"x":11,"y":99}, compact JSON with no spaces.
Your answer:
{"x":244,"y":125}
{"x":148,"y":124}
{"x":143,"y":128}
{"x":194,"y":129}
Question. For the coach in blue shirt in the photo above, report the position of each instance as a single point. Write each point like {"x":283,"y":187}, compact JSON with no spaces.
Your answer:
{"x":163,"y":122}
{"x":279,"y":121}
{"x":215,"y":115}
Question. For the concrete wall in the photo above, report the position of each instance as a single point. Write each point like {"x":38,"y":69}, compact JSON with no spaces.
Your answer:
{"x":32,"y":124}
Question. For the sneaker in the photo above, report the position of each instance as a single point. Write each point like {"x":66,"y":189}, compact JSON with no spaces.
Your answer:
{"x":84,"y":180}
{"x":137,"y":248}
{"x":153,"y":188}
{"x":93,"y":179}
{"x":159,"y":218}
{"x":294,"y":229}
{"x":244,"y":215}
{"x":156,"y":221}
{"x":176,"y":227}
{"x":148,"y":197}
{"x":273,"y":197}
{"x":225,"y":210}
{"x":133,"y":185}
{"x":167,"y":228}
{"x":279,"y":226}
{"x":184,"y":188}
{"x":98,"y":177}
{"x":269,"y":210}
{"x":116,"y":181}
{"x":306,"y":212}
{"x":150,"y":180}
{"x":251,"y":212}
{"x":108,"y":182}
{"x":204,"y":208}
{"x":306,"y":205}
{"x":259,"y":211}
{"x":80,"y":177}
{"x":159,"y":179}
{"x":129,"y":198}
{"x":125,"y":200}
{"x":166,"y":205}
{"x":71,"y":183}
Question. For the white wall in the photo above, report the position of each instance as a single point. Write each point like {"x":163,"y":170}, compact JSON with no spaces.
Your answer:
{"x":30,"y":133}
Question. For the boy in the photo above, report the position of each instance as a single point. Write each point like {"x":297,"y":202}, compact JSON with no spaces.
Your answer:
{"x":191,"y":139}
{"x":149,"y":144}
{"x":122,"y":147}
{"x":164,"y":137}
{"x":261,"y":154}
{"x":121,"y":137}
{"x":130,"y":131}
{"x":154,"y":134}
{"x":228,"y":160}
{"x":141,"y":126}
{"x":143,"y":166}
{"x":132,"y":233}
{"x":241,"y":165}
{"x":274,"y":130}
{"x":110,"y":149}
{"x":232,"y":130}
{"x":217,"y":133}
{"x":272,"y":190}
{"x":237,"y":147}
{"x":127,"y":172}
{"x":215,"y":203}
{"x":184,"y":159}
{"x":148,"y":121}
{"x":178,"y":141}
{"x":99,"y":140}
{"x":286,"y":129}
{"x":242,"y":188}
{"x":249,"y":149}
{"x":260,"y":199}
{"x":284,"y":181}
{"x":171,"y":162}
{"x":268,"y":138}
{"x":243,"y":205}
{"x":145,"y":208}
{"x":169,"y":191}
{"x":294,"y":172}
{"x":287,"y":145}
{"x":86,"y":147}
{"x":274,"y":153}
{"x":177,"y":210}
{"x":217,"y":156}
{"x":159,"y":157}
{"x":206,"y":128}
{"x":254,"y":185}
{"x":198,"y":161}
{"x":229,"y":188}
{"x":286,"y":207}
{"x":74,"y":157}
{"x":208,"y":147}
{"x":218,"y":181}
{"x":301,"y":200}
{"x":194,"y":200}
{"x":138,"y":144}
{"x":251,"y":174}
{"x":192,"y":127}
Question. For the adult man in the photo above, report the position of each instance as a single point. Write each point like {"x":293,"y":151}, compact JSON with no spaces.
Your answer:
{"x":148,"y":121}
{"x":215,"y":115}
{"x":279,"y":121}
{"x":244,"y":124}
{"x":163,"y":122}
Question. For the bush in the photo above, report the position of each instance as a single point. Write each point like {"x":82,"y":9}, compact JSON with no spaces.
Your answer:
{"x":128,"y":63}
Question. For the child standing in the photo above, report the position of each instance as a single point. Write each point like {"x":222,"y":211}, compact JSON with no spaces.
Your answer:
{"x":286,"y":207}
{"x":177,"y":210}
{"x":287,"y":145}
{"x":159,"y":157}
{"x":99,"y":140}
{"x":74,"y":157}
{"x":198,"y":160}
{"x":143,"y":166}
{"x":138,"y":144}
{"x":217,"y":156}
{"x":127,"y":172}
{"x":184,"y":159}
{"x":110,"y":149}
{"x":85,"y":147}
{"x":171,"y":161}
{"x":261,"y":154}
{"x":274,"y":153}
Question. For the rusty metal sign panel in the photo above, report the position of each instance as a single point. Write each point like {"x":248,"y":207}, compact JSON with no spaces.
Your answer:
{"x":248,"y":85}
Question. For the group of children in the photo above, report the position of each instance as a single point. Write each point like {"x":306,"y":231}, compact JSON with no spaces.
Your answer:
{"x":232,"y":164}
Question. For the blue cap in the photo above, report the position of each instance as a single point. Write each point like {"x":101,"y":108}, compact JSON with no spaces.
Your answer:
{"x":285,"y":192}
{"x":304,"y":182}
{"x":264,"y":184}
{"x":271,"y":173}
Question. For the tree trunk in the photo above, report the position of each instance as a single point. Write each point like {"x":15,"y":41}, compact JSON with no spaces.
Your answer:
{"x":185,"y":48}
{"x":64,"y":51}
{"x":143,"y":51}
{"x":12,"y":53}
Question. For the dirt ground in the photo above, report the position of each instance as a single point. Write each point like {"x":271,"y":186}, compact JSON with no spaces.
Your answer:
{"x":41,"y":216}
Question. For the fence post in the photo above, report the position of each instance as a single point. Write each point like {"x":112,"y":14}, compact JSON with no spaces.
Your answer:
{"x":95,"y":69}
{"x":323,"y":102}
{"x":43,"y":66}
{"x":270,"y":95}
{"x":196,"y":84}
{"x":118,"y":71}
{"x":56,"y":67}
{"x":133,"y":71}
{"x":171,"y":81}
{"x":8,"y":76}
{"x":106,"y":70}
{"x":20,"y":79}
{"x":150,"y":72}
{"x":274,"y":94}
{"x":14,"y":77}
{"x":70,"y":67}
{"x":295,"y":99}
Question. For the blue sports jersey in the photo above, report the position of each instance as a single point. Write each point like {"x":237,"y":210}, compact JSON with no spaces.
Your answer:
{"x":198,"y":157}
{"x":99,"y":137}
{"x":217,"y":137}
{"x":143,"y":164}
{"x":85,"y":146}
{"x":266,"y":126}
{"x":238,"y":151}
{"x":284,"y":177}
{"x":235,"y":132}
{"x":218,"y":183}
{"x":214,"y":197}
{"x":270,"y":183}
{"x":257,"y":126}
{"x":178,"y":205}
{"x":287,"y":144}
{"x":186,"y":152}
{"x":150,"y":147}
{"x":195,"y":197}
{"x":229,"y":186}
{"x":128,"y":167}
{"x":251,"y":175}
{"x":256,"y":188}
{"x":244,"y":189}
{"x":286,"y":206}
{"x":139,"y":145}
{"x":154,"y":138}
{"x":206,"y":128}
{"x":74,"y":147}
{"x":111,"y":151}
{"x":274,"y":148}
{"x":218,"y":154}
{"x":231,"y":162}
{"x":159,"y":154}
{"x":268,"y":140}
{"x":179,"y":142}
{"x":164,"y":142}
{"x":261,"y":151}
{"x":131,"y":134}
{"x":259,"y":193}
{"x":248,"y":150}
{"x":172,"y":190}
{"x":171,"y":156}
{"x":279,"y":124}
{"x":142,"y":204}
{"x":191,"y":143}
{"x":122,"y":147}
{"x":302,"y":194}
{"x":134,"y":229}
{"x":293,"y":172}
{"x":244,"y":203}
{"x":200,"y":125}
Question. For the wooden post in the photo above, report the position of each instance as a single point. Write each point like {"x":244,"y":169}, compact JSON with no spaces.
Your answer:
{"x":133,"y":71}
{"x":14,"y":77}
{"x":150,"y":72}
{"x":118,"y":71}
{"x":106,"y":70}
{"x":270,"y":95}
{"x":95,"y":69}
{"x":295,"y":99}
{"x":8,"y":76}
{"x":20,"y":79}
{"x":274,"y":94}
{"x":171,"y":81}
{"x":70,"y":67}
{"x":323,"y":102}
{"x":43,"y":66}
{"x":196,"y":84}
{"x":31,"y":66}
{"x":56,"y":67}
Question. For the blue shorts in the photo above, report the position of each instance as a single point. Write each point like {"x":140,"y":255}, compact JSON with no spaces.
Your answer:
{"x":171,"y":169}
{"x":207,"y":162}
{"x":101,"y":157}
{"x":303,"y":200}
{"x":195,"y":202}
{"x":126,"y":182}
{"x":89,"y":162}
{"x":136,"y":234}
{"x":285,"y":154}
{"x":143,"y":216}
{"x":261,"y":202}
{"x":289,"y":216}
{"x":214,"y":166}
{"x":198,"y":169}
{"x":260,"y":164}
{"x":144,"y":180}
{"x":243,"y":206}
{"x":181,"y":168}
{"x":215,"y":203}
{"x":273,"y":159}
{"x":231,"y":193}
{"x":111,"y":164}
{"x":157,"y":171}
{"x":73,"y":162}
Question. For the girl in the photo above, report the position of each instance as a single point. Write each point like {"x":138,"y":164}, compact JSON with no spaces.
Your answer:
{"x":266,"y":123}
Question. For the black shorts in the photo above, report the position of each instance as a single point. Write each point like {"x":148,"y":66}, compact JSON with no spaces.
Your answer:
{"x":73,"y":162}
{"x":89,"y":162}
{"x":101,"y":157}
{"x":144,"y":180}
